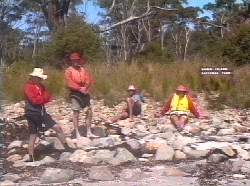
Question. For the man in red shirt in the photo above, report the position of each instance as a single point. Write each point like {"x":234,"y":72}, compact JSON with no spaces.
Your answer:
{"x":79,"y":81}
{"x":36,"y":96}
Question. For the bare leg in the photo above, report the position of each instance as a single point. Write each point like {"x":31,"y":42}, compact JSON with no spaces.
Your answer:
{"x":122,"y":116}
{"x":130,"y":104}
{"x":89,"y":114}
{"x":76,"y":122}
{"x":60,"y":133}
{"x":175,"y":120}
{"x":31,"y":146}
{"x":183,"y":121}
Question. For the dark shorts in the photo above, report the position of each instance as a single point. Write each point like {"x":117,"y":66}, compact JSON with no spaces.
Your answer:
{"x":35,"y":122}
{"x":136,"y":110}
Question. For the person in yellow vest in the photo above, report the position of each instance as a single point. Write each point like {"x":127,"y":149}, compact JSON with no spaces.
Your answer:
{"x":179,"y":106}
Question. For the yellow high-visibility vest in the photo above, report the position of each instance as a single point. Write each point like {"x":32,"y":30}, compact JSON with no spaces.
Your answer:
{"x":179,"y":104}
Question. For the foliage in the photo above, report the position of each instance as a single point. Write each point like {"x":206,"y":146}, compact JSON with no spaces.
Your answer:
{"x":77,"y":37}
{"x":238,"y":51}
{"x":156,"y":80}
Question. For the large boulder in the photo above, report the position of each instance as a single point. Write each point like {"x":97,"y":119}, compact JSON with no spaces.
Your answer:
{"x":164,"y":152}
{"x":122,"y":156}
{"x":54,"y":175}
{"x":100,"y":173}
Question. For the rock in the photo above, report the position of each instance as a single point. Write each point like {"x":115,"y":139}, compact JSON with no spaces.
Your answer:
{"x":179,"y":155}
{"x":54,"y":175}
{"x":11,"y":177}
{"x":126,"y":131}
{"x":82,"y":156}
{"x":228,"y":151}
{"x":235,"y":165}
{"x":99,"y":131}
{"x":131,"y":174}
{"x":243,"y":154}
{"x":100,"y":173}
{"x":83,"y":142}
{"x":7,"y":183}
{"x":45,"y":160}
{"x":15,"y":144}
{"x":239,"y":176}
{"x":65,"y":156}
{"x":173,"y":171}
{"x":164,"y":152}
{"x":122,"y":156}
{"x":217,"y":158}
{"x":103,"y":142}
{"x":133,"y":145}
{"x":166,"y":135}
{"x":56,"y":142}
{"x":147,"y":155}
{"x":223,"y":132}
{"x":152,"y":146}
{"x":195,"y":154}
{"x":246,"y":167}
{"x":14,"y":158}
{"x":104,"y":155}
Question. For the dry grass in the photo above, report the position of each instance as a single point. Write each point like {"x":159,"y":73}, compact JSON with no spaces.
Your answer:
{"x":157,"y":80}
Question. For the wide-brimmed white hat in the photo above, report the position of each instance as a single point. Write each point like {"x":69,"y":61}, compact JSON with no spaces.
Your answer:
{"x":131,"y":87}
{"x":38,"y":72}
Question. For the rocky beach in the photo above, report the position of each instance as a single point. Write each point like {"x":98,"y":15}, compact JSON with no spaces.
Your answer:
{"x":147,"y":151}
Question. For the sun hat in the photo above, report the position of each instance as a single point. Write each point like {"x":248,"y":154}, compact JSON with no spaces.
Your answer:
{"x":38,"y":72}
{"x":182,"y":88}
{"x":131,"y":87}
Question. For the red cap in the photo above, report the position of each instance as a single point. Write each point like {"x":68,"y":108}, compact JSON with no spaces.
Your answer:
{"x":77,"y":56}
{"x":182,"y":88}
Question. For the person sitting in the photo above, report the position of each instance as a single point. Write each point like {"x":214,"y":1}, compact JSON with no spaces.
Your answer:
{"x":179,"y":105}
{"x":36,"y":96}
{"x":133,"y":106}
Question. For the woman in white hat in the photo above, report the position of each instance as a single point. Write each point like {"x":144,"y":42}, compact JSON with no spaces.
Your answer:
{"x":133,"y":107}
{"x":36,"y":96}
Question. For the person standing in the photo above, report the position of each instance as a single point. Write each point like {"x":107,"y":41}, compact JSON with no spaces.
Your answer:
{"x":36,"y":96}
{"x":79,"y":81}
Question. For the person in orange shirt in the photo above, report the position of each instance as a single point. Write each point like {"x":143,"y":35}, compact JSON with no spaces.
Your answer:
{"x":79,"y":82}
{"x":179,"y":105}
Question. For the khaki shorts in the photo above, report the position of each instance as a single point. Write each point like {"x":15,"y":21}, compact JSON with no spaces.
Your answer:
{"x":75,"y":105}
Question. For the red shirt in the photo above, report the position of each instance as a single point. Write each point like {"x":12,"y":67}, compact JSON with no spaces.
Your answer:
{"x":75,"y":79}
{"x":36,"y":93}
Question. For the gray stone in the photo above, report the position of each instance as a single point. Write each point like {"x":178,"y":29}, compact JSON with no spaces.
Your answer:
{"x":65,"y":156}
{"x":11,"y":177}
{"x":235,"y":165}
{"x":15,"y":144}
{"x":217,"y":158}
{"x":53,"y":175}
{"x":164,"y":152}
{"x":122,"y":156}
{"x":83,"y":142}
{"x":100,"y":173}
{"x":195,"y":154}
{"x":223,"y":132}
{"x":246,"y":167}
{"x":83,"y":157}
{"x":104,"y":155}
{"x":133,"y":144}
{"x":103,"y":142}
{"x":179,"y":155}
{"x":174,"y":171}
{"x":131,"y":174}
{"x":7,"y":183}
{"x":56,"y":142}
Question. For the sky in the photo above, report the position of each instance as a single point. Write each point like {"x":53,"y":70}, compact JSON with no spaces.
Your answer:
{"x":92,"y":11}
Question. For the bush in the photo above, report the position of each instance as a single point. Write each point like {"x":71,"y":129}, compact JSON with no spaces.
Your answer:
{"x":76,"y":37}
{"x":238,"y":51}
{"x":157,"y":80}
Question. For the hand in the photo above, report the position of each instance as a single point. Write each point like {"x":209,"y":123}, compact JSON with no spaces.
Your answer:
{"x":83,"y":90}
